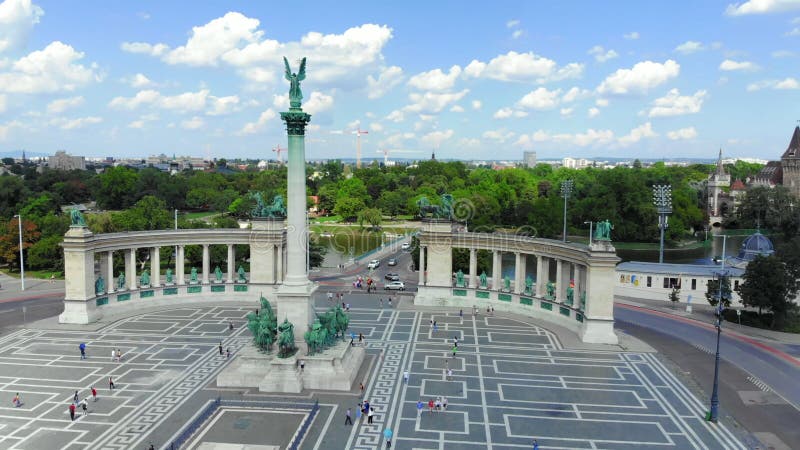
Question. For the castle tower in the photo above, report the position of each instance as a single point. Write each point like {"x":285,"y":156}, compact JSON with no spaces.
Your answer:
{"x":716,"y":182}
{"x":790,"y":163}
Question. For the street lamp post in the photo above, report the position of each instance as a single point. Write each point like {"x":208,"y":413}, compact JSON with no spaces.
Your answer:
{"x":176,"y":219}
{"x":566,"y":191}
{"x":662,"y":198}
{"x":21,"y":256}
{"x":722,"y":284}
{"x":590,"y":230}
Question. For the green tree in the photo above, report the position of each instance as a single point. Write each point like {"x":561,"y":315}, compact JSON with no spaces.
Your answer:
{"x":348,"y":207}
{"x":116,"y":188}
{"x":12,"y":192}
{"x":9,"y":241}
{"x":149,"y":213}
{"x":317,"y":253}
{"x":767,"y":284}
{"x":46,"y":254}
{"x":391,"y":202}
{"x":372,"y":216}
{"x":713,"y":291}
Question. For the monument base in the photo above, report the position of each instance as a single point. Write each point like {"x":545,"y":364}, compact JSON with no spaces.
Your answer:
{"x":80,"y":312}
{"x":294,"y":303}
{"x":335,"y":369}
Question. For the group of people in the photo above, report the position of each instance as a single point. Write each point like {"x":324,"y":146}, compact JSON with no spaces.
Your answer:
{"x":438,"y":404}
{"x":364,"y":409}
{"x":83,"y":404}
{"x":116,"y":354}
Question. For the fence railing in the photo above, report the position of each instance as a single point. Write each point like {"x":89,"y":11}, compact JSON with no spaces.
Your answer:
{"x":200,"y":419}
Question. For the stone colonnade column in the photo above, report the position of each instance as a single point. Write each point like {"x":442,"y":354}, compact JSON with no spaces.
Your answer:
{"x":519,"y":273}
{"x":473,"y":268}
{"x":497,"y":270}
{"x":598,"y":323}
{"x":542,"y":272}
{"x":130,"y":269}
{"x":559,"y":279}
{"x":231,"y":262}
{"x":155,"y":266}
{"x":206,"y":263}
{"x":110,"y":274}
{"x":180,"y":270}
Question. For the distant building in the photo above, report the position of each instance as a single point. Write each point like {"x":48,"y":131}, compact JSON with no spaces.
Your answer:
{"x":720,"y":203}
{"x":573,"y":163}
{"x":790,"y":163}
{"x":529,"y":159}
{"x":770,"y":175}
{"x":63,"y":161}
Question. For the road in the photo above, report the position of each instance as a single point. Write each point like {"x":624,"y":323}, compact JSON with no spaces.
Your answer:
{"x":690,"y":345}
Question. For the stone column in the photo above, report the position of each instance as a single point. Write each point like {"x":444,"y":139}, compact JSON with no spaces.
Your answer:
{"x":155,"y":266}
{"x":279,"y":273}
{"x":130,"y":269}
{"x":80,"y":306}
{"x":110,"y":285}
{"x":231,"y":262}
{"x":542,"y":272}
{"x":473,"y":268}
{"x":519,"y":272}
{"x":180,"y":270}
{"x":559,"y":280}
{"x":206,"y":263}
{"x":421,"y":265}
{"x":497,"y":270}
{"x":598,"y":322}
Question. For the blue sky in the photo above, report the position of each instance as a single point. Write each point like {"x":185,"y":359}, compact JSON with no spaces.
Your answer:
{"x":473,"y":80}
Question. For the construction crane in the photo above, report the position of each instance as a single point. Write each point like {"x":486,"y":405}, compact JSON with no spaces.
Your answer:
{"x":387,"y":151}
{"x":278,"y":150}
{"x":358,"y":134}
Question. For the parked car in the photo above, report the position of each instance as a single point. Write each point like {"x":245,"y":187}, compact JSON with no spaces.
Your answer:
{"x":392,"y":277}
{"x":406,"y":246}
{"x":395,"y":286}
{"x":391,"y":262}
{"x":374,"y":264}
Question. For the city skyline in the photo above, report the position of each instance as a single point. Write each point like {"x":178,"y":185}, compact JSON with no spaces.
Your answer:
{"x":679,"y":79}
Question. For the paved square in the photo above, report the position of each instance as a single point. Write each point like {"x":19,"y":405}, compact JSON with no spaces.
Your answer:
{"x":512,"y":382}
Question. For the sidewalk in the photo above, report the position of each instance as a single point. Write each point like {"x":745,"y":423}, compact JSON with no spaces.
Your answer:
{"x":703,"y":312}
{"x":11,"y":288}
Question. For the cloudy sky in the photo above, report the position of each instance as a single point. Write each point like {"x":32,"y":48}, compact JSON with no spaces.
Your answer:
{"x":482,"y":80}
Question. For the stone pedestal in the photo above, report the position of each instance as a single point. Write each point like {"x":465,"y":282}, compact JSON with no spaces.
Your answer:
{"x":295,"y":304}
{"x":79,"y":302}
{"x":335,"y":369}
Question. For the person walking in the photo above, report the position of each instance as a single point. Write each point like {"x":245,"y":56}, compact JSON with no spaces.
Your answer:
{"x":430,"y":406}
{"x":361,"y":387}
{"x":111,"y":384}
{"x":405,"y":376}
{"x":75,"y":398}
{"x":381,"y":300}
{"x":94,"y":394}
{"x":455,"y":349}
{"x":449,"y":374}
{"x":119,"y":355}
{"x":230,"y":325}
{"x":390,"y":302}
{"x":228,"y":353}
{"x":435,"y":327}
{"x":535,"y":445}
{"x":72,"y":411}
{"x":370,"y":414}
{"x":113,"y":354}
{"x":420,"y":405}
{"x":220,"y":348}
{"x":438,"y":404}
{"x":444,"y":403}
{"x":82,"y":348}
{"x":461,"y":313}
{"x":348,"y":419}
{"x":85,"y":407}
{"x":16,"y":401}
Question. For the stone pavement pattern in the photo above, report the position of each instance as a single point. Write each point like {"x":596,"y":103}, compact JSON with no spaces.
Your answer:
{"x":512,"y":382}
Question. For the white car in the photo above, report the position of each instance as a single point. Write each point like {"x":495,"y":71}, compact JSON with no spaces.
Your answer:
{"x":374,"y":264}
{"x":395,"y":286}
{"x":405,"y":246}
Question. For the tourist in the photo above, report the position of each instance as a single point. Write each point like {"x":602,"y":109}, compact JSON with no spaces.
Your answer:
{"x":438,"y":404}
{"x":361,"y":387}
{"x":455,"y":341}
{"x":75,"y":398}
{"x":390,"y":302}
{"x":111,"y":384}
{"x":430,"y":406}
{"x":220,"y":348}
{"x":449,"y":374}
{"x":16,"y":401}
{"x":82,"y":348}
{"x":492,"y":311}
{"x":455,"y":349}
{"x":461,"y":313}
{"x":359,"y":411}
{"x":487,"y":310}
{"x":85,"y":407}
{"x":228,"y":353}
{"x":330,"y":296}
{"x":420,"y":405}
{"x":348,"y":417}
{"x":72,"y":411}
{"x":119,"y":355}
{"x":360,"y":339}
{"x":230,"y":325}
{"x":94,"y":394}
{"x":370,"y":414}
{"x":302,"y":365}
{"x":113,"y":354}
{"x":535,"y":445}
{"x":381,"y":300}
{"x":405,"y":377}
{"x":444,"y":403}
{"x":435,"y":327}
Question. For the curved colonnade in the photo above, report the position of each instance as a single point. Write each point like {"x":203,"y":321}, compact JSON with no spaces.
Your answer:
{"x":82,"y":250}
{"x":588,"y":270}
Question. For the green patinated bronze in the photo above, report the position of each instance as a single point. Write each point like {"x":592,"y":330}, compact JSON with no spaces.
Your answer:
{"x":99,"y":286}
{"x":551,"y":290}
{"x":76,"y":218}
{"x":263,"y":325}
{"x":121,"y":281}
{"x":296,"y":120}
{"x":276,"y":210}
{"x":193,"y":275}
{"x":528,"y":285}
{"x":602,"y":232}
{"x":443,"y":211}
{"x":286,"y":347}
{"x":241,"y":275}
{"x":570,"y":295}
{"x":325,"y":329}
{"x":218,"y":274}
{"x":507,"y":283}
{"x":583,"y":300}
{"x":144,"y":280}
{"x":460,"y":278}
{"x":124,"y":297}
{"x":484,"y":282}
{"x":169,"y":276}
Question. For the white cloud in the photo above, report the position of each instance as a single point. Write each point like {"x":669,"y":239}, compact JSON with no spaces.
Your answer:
{"x":208,"y":43}
{"x":435,"y":138}
{"x":637,"y":134}
{"x":17,"y":18}
{"x":141,"y":98}
{"x":6,"y":127}
{"x":3,"y":103}
{"x":566,"y":112}
{"x":601,"y":102}
{"x":457,"y":109}
{"x":505,"y":113}
{"x":730,"y":65}
{"x":522,"y":67}
{"x":786,"y":83}
{"x":144,"y":48}
{"x":396,"y":116}
{"x":431,"y":102}
{"x":517,"y":34}
{"x":136,"y":124}
{"x":388,"y":78}
{"x":761,"y":7}
{"x":512,"y":23}
{"x":223,"y":105}
{"x":264,"y":119}
{"x":139,"y":81}
{"x":540,"y":98}
{"x":435,"y":80}
{"x":573,"y":94}
{"x":52,"y":69}
{"x":632,"y":36}
{"x":590,"y":137}
{"x":689,"y":47}
{"x":601,"y":55}
{"x":188,"y":101}
{"x":675,"y":104}
{"x":317,"y":103}
{"x":640,"y":78}
{"x":782,"y":54}
{"x":63,"y":104}
{"x":683,"y":133}
{"x":185,"y":102}
{"x":793,"y":32}
{"x":193,"y":124}
{"x":139,"y":124}
{"x":72,"y":124}
{"x":375,"y":127}
{"x":593,"y":112}
{"x":476,"y":104}
{"x":501,"y":135}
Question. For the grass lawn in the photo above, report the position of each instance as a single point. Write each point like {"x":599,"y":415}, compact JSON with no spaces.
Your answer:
{"x":199,"y":215}
{"x":40,"y":274}
{"x":326,"y":219}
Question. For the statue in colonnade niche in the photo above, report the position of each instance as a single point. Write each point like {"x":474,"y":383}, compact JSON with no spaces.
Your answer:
{"x":145,"y":278}
{"x":551,"y":290}
{"x":483,"y":280}
{"x":169,"y":276}
{"x":583,"y":300}
{"x":528,"y":285}
{"x":241,"y":275}
{"x":99,"y":286}
{"x":507,"y":283}
{"x":570,"y":294}
{"x":460,"y":278}
{"x":121,"y":281}
{"x":218,"y":274}
{"x":193,"y":275}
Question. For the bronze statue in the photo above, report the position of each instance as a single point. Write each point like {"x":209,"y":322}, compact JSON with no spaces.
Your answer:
{"x":528,"y":285}
{"x":295,"y":94}
{"x":286,"y":347}
{"x":218,"y":274}
{"x":483,"y":279}
{"x":145,"y":279}
{"x":460,"y":278}
{"x":240,"y":273}
{"x":99,"y":286}
{"x":169,"y":276}
{"x":76,"y":218}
